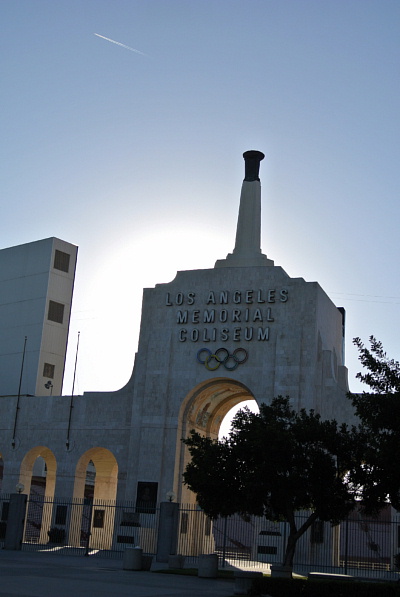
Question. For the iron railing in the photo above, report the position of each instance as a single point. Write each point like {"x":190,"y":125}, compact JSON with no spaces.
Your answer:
{"x":4,"y":503}
{"x":359,"y":545}
{"x":89,"y":526}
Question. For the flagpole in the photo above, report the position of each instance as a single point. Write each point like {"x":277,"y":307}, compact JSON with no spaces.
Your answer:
{"x":71,"y":404}
{"x":76,"y":361}
{"x":19,"y":392}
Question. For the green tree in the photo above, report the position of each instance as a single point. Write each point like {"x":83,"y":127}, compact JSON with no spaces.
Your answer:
{"x":379,"y":413}
{"x":274,"y":464}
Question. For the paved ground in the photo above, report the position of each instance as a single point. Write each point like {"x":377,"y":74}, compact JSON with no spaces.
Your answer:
{"x":30,"y":574}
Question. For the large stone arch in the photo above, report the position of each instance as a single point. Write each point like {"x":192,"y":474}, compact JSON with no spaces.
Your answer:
{"x":203,"y":410}
{"x":106,"y":474}
{"x":102,"y":504}
{"x":26,"y":468}
{"x":40,"y":509}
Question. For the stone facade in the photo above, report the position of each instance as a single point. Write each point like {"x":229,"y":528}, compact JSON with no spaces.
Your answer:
{"x":209,"y":340}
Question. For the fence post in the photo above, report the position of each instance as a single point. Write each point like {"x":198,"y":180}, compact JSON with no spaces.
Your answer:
{"x":224,"y":543}
{"x":89,"y":502}
{"x":15,"y":521}
{"x":167,"y":538}
{"x":346,"y":549}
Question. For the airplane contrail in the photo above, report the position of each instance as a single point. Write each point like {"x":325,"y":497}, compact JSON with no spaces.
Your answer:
{"x":119,"y":44}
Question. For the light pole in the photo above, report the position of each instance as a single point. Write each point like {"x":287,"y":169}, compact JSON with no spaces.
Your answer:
{"x":49,"y":386}
{"x":20,"y":487}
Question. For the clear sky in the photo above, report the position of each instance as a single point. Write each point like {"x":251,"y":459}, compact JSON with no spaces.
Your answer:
{"x":136,"y":156}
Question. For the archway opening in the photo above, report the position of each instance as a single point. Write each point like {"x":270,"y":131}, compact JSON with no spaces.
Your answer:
{"x":226,"y":422}
{"x":38,"y":472}
{"x":90,"y":480}
{"x":204,"y":410}
{"x":95,"y":491}
{"x":38,"y":476}
{"x":96,"y":475}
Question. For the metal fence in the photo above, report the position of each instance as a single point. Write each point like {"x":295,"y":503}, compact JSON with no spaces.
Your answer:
{"x":360,"y":546}
{"x":4,"y":503}
{"x":88,"y":526}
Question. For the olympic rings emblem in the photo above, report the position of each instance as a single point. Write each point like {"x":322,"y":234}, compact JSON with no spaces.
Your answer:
{"x":222,"y":356}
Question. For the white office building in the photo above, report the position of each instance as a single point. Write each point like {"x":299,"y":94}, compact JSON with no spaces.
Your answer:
{"x":36,"y":287}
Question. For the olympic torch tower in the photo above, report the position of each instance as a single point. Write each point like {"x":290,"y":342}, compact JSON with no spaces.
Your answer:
{"x":212,"y":338}
{"x":247,"y":251}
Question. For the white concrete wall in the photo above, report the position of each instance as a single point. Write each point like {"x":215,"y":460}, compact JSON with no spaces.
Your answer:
{"x":299,"y":354}
{"x":301,"y":357}
{"x":28,"y":281}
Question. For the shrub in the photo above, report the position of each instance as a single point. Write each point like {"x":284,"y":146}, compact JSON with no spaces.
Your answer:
{"x":282,"y":587}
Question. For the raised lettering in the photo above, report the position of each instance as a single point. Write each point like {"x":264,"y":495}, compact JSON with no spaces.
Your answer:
{"x":209,"y":316}
{"x":236,"y":315}
{"x":259,"y":297}
{"x":224,"y":297}
{"x":181,"y":317}
{"x":179,"y":298}
{"x":205,"y":335}
{"x":269,"y":318}
{"x":263,"y":334}
{"x":191,"y":296}
{"x":236,"y":334}
{"x":257,"y":315}
{"x":223,"y":316}
{"x":248,"y":334}
{"x":237,"y":296}
{"x":195,"y":316}
{"x":224,"y":334}
{"x":194,"y":336}
{"x":211,"y":298}
{"x":249,"y":296}
{"x":182,"y":335}
{"x":271,"y":296}
{"x":168,"y":300}
{"x":284,"y":295}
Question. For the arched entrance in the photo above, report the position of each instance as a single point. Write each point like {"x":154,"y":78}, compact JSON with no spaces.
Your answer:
{"x":38,"y":476}
{"x":50,"y":467}
{"x":106,"y":468}
{"x":203,"y":410}
{"x":92,"y":520}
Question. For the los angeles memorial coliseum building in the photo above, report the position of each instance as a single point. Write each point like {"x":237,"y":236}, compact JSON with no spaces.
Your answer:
{"x":209,"y":339}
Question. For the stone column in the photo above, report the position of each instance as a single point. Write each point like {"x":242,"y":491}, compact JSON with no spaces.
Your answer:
{"x":167,"y":531}
{"x":15,"y":521}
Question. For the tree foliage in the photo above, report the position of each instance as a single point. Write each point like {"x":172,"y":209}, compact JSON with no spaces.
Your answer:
{"x":274,"y":463}
{"x":383,"y":374}
{"x":379,"y":412}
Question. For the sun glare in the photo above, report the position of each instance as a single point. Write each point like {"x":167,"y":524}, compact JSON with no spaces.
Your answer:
{"x":227,"y":420}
